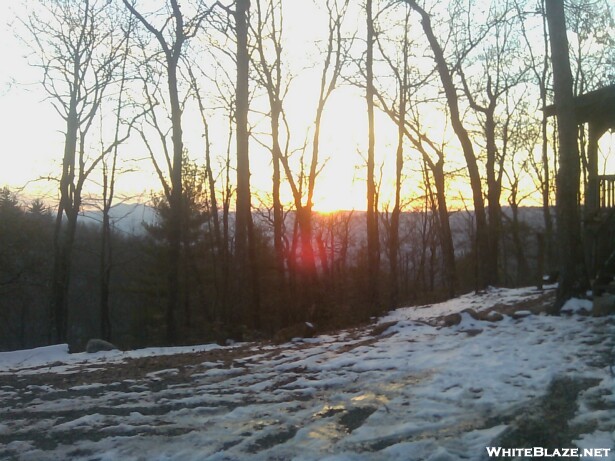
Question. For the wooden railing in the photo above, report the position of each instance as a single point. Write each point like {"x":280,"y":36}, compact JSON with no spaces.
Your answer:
{"x":606,"y":191}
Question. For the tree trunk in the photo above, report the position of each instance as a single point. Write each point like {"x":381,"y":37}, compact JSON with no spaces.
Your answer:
{"x":446,"y":236}
{"x":373,"y":243}
{"x":546,"y":186}
{"x":64,"y":236}
{"x":105,"y":260}
{"x":220,"y":259}
{"x":494,"y":191}
{"x":241,"y":119}
{"x":278,"y":212}
{"x":175,"y":203}
{"x":244,"y":233}
{"x":568,"y":176}
{"x":399,"y":165}
{"x":172,"y":53}
{"x":394,"y":253}
{"x":270,"y":77}
{"x":541,"y":75}
{"x":226,"y":237}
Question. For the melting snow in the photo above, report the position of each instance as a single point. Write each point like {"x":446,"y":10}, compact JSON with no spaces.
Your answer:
{"x":415,"y":392}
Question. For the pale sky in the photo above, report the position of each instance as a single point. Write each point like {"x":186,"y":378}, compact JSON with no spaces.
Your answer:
{"x":32,"y":131}
{"x":32,"y":135}
{"x":28,"y":124}
{"x":32,"y":139}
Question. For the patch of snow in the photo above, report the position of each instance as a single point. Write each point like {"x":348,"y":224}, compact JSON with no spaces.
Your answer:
{"x":87,"y":387}
{"x":33,"y":357}
{"x":158,"y":375}
{"x":575,"y":305}
{"x":598,"y":439}
{"x":57,"y":358}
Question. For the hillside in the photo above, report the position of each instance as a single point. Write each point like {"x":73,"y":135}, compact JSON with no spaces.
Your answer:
{"x":438,"y":382}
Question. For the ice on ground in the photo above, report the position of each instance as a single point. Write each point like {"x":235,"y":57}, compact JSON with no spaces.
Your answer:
{"x":418,"y":392}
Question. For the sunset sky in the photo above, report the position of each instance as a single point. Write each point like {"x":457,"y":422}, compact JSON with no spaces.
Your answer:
{"x":32,"y":136}
{"x":32,"y":131}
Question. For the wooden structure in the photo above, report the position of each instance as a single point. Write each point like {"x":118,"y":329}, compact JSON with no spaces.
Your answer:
{"x":606,"y":192}
{"x":597,"y":110}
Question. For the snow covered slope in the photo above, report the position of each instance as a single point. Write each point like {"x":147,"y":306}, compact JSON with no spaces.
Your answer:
{"x":405,"y":389}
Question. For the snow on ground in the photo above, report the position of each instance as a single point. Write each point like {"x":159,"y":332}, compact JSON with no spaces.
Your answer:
{"x":58,"y":360}
{"x":412,"y":391}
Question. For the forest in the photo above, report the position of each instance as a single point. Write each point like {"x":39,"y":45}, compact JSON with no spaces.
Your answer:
{"x":241,"y":111}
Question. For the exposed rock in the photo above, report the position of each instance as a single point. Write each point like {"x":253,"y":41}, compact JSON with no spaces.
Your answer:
{"x":493,"y":316}
{"x":298,"y":330}
{"x":603,"y":305}
{"x":485,"y":316}
{"x":450,"y":320}
{"x":533,"y":306}
{"x":455,"y":319}
{"x":97,"y":345}
{"x":521,"y":314}
{"x":381,"y":328}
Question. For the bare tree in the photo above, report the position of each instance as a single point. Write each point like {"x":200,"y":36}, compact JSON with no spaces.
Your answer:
{"x":268,"y":32}
{"x":171,"y":42}
{"x":502,"y":71}
{"x":541,"y":70}
{"x":520,"y":137}
{"x":245,"y":244}
{"x":77,"y":51}
{"x":215,"y":91}
{"x":433,"y":157}
{"x":332,"y":67}
{"x":220,"y":256}
{"x":401,"y":70}
{"x":270,"y":72}
{"x":452,"y":98}
{"x":432,"y":154}
{"x":373,"y":241}
{"x":593,"y":47}
{"x":403,"y":104}
{"x":109,"y":171}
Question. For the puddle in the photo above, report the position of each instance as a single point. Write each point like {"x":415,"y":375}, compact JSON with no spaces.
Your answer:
{"x":355,"y":417}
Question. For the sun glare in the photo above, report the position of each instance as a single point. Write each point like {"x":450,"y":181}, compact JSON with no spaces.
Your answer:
{"x":339,"y":196}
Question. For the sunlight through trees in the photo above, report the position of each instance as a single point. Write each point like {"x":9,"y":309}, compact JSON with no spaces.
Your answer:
{"x":319,"y":161}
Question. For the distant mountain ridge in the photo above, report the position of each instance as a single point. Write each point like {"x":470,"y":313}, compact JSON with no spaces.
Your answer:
{"x":130,"y":217}
{"x":125,"y":217}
